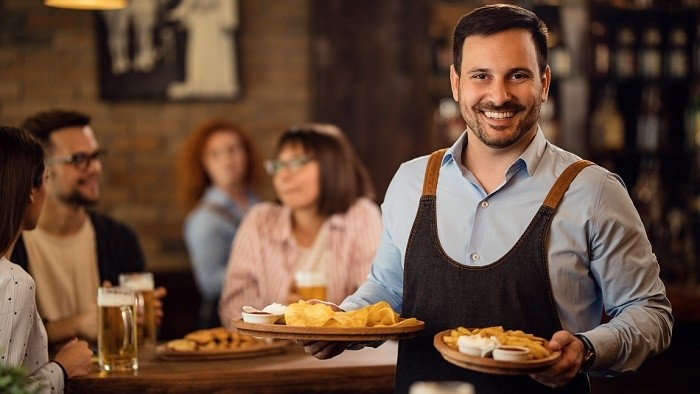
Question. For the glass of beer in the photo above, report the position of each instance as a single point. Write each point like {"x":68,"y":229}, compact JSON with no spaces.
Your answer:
{"x":116,"y":331}
{"x":310,"y":285}
{"x":142,"y":283}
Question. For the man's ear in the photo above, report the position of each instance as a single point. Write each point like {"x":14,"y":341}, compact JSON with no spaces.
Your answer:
{"x":454,"y":83}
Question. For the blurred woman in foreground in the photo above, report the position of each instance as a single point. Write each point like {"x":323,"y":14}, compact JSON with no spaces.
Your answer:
{"x":218,"y":174}
{"x":23,"y":340}
{"x":324,"y":225}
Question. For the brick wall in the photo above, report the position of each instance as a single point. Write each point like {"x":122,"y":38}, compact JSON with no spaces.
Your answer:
{"x":47,"y":59}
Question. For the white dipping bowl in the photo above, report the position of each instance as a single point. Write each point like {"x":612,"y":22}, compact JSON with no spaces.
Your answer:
{"x":510,"y":353}
{"x":260,"y":318}
{"x":475,"y":345}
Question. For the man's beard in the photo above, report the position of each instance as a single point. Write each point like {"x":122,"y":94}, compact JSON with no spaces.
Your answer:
{"x":522,"y":128}
{"x":78,"y":200}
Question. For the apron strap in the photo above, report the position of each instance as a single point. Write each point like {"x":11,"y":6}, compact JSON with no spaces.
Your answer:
{"x":562,"y":184}
{"x":432,"y":170}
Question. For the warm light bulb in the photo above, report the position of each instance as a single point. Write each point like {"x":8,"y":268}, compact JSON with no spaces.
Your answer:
{"x":88,"y":4}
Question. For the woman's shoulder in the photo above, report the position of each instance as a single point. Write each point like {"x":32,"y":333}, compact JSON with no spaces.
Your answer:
{"x":364,"y":204}
{"x":12,"y":274}
{"x":264,"y":212}
{"x":11,"y":270}
{"x":362,"y":211}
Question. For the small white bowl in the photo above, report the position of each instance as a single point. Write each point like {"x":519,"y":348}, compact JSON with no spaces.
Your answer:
{"x":511,"y":353}
{"x":260,"y":317}
{"x":475,"y":345}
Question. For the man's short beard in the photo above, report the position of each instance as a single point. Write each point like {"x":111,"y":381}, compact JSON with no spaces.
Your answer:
{"x":77,"y":200}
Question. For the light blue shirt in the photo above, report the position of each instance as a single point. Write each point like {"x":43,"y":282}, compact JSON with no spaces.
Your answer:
{"x":599,"y":256}
{"x":208,"y":236}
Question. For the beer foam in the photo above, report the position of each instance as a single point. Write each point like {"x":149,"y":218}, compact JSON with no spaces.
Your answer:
{"x":115,"y":298}
{"x":138,"y":282}
{"x":310,"y":278}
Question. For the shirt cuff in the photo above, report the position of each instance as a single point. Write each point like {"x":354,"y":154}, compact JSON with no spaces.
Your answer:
{"x":65,"y":375}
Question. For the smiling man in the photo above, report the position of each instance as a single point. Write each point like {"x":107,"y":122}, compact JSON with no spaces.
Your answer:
{"x":504,"y":228}
{"x":74,"y":249}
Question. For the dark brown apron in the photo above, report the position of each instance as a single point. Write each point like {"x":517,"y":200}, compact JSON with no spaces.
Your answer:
{"x":513,"y":292}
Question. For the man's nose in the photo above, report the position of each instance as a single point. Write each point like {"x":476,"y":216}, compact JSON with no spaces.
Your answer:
{"x":499,"y":92}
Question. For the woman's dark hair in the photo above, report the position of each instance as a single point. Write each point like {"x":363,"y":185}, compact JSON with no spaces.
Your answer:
{"x":343,"y":178}
{"x":193,"y":177}
{"x":495,"y":18}
{"x":21,"y":169}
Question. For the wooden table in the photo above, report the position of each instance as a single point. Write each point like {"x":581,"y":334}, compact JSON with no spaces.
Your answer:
{"x":362,"y":371}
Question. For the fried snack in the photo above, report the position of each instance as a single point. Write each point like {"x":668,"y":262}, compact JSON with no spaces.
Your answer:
{"x":304,"y":314}
{"x":182,"y":345}
{"x":538,"y":346}
{"x":220,"y":333}
{"x":217,"y":338}
{"x":202,"y":337}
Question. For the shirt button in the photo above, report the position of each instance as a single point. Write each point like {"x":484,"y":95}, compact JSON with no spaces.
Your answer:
{"x":475,"y":257}
{"x":484,"y":204}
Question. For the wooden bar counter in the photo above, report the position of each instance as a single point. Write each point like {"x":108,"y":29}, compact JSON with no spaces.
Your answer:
{"x":292,"y":371}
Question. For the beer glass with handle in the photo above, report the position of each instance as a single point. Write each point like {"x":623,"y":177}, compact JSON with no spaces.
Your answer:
{"x":142,"y":283}
{"x":116,"y":332}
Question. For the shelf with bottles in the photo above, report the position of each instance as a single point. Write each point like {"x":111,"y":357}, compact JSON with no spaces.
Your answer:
{"x":645,"y":57}
{"x":642,"y":64}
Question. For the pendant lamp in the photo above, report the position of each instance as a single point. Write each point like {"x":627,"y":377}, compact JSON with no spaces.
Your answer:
{"x":88,"y":4}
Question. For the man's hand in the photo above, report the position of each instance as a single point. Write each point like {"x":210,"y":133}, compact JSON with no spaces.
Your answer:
{"x":158,"y":294}
{"x":323,"y":350}
{"x":568,"y":365}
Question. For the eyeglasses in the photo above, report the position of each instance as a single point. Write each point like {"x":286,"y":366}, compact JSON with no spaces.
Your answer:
{"x":274,"y":166}
{"x":80,"y":160}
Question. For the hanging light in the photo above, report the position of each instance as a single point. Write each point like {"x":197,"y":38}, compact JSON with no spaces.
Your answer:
{"x":88,"y":4}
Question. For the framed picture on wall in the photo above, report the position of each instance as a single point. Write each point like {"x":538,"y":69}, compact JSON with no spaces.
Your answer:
{"x":169,"y":50}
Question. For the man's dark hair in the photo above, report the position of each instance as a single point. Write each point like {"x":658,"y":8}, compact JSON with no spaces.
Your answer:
{"x":42,"y":124}
{"x":492,"y":19}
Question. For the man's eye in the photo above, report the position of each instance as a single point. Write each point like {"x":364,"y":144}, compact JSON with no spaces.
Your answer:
{"x":79,"y":158}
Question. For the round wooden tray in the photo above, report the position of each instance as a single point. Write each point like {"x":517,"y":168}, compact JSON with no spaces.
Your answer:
{"x":262,"y":349}
{"x":488,"y":364}
{"x":282,"y":331}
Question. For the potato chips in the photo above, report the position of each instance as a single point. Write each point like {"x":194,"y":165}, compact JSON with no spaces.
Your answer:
{"x":538,"y":346}
{"x":304,"y":314}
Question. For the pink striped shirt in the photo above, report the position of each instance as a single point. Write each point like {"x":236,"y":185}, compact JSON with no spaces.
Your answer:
{"x":263,"y":258}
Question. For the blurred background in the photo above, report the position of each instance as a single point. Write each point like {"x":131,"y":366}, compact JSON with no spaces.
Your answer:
{"x":625,"y":93}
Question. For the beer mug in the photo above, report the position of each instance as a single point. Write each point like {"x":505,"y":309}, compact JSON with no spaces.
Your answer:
{"x":310,"y":285}
{"x":116,"y":331}
{"x":142,"y":283}
{"x":447,"y":387}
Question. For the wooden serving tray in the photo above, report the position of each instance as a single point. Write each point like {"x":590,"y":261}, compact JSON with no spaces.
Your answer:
{"x":488,"y":364}
{"x":363,"y":334}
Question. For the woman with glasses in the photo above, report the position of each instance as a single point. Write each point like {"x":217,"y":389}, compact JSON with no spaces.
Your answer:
{"x":324,"y":225}
{"x":218,"y":182}
{"x":23,"y":340}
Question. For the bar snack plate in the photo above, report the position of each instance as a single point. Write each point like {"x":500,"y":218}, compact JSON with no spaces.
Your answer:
{"x":488,"y":364}
{"x":282,"y":331}
{"x":261,"y":349}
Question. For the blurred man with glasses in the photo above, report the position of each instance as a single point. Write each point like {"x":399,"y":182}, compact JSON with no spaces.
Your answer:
{"x":74,"y":249}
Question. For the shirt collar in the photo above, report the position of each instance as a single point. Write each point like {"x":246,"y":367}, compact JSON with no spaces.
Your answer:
{"x":530,"y":158}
